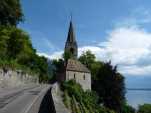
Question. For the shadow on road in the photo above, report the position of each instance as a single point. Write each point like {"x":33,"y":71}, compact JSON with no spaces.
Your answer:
{"x":47,"y":105}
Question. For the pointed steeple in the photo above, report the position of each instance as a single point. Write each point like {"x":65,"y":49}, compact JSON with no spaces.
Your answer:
{"x":71,"y":44}
{"x":71,"y":35}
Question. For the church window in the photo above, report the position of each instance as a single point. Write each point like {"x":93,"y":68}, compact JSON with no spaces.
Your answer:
{"x":74,"y":76}
{"x":84,"y":76}
{"x":72,"y":50}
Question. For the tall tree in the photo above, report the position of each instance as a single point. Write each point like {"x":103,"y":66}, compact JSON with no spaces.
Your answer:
{"x":87,"y":58}
{"x":58,"y":65}
{"x":67,"y":55}
{"x":15,"y":43}
{"x":10,"y":12}
{"x":110,"y":87}
{"x":3,"y":45}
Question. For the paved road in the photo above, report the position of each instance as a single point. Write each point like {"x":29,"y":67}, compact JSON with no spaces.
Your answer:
{"x":20,"y":100}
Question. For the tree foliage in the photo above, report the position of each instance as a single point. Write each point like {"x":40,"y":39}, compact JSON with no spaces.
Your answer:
{"x":67,"y":55}
{"x":16,"y":47}
{"x":80,"y":101}
{"x":106,"y":81}
{"x":110,"y":87}
{"x":10,"y":12}
{"x":58,"y":65}
{"x":128,"y":109}
{"x":13,"y":42}
{"x":146,"y":108}
{"x":89,"y":60}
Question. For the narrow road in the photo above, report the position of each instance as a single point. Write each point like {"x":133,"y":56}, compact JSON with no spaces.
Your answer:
{"x":26,"y":99}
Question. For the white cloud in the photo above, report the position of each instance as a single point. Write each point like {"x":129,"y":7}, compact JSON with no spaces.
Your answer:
{"x":128,"y":47}
{"x":136,"y":70}
{"x":94,"y":49}
{"x":45,"y":55}
{"x":55,"y":55}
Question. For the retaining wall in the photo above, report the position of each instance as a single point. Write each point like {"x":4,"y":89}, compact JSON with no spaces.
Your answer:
{"x":12,"y":78}
{"x":58,"y":100}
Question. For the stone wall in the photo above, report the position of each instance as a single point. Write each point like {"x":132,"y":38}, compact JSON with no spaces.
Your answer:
{"x":84,"y":79}
{"x":13,"y":78}
{"x":57,"y":99}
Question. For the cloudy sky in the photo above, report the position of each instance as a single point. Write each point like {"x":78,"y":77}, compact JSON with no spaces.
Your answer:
{"x":116,"y":30}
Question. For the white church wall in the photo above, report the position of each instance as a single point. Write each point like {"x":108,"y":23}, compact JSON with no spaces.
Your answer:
{"x":84,"y":79}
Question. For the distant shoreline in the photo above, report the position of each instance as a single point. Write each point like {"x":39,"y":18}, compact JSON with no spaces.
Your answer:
{"x":139,"y":89}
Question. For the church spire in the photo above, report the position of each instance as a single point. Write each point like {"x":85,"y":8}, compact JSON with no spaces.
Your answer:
{"x":71,"y":44}
{"x":71,"y":35}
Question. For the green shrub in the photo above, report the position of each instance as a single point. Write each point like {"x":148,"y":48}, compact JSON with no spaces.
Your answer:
{"x":16,"y":52}
{"x":81,"y":101}
{"x":73,"y":89}
{"x":67,"y":100}
{"x":146,"y":108}
{"x":127,"y":109}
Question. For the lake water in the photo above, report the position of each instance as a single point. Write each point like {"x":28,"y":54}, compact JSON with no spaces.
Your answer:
{"x":138,"y":97}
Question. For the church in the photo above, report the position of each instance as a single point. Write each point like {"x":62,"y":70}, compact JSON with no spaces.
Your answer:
{"x":73,"y":68}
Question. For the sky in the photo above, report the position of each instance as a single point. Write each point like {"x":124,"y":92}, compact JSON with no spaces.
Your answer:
{"x":116,"y":30}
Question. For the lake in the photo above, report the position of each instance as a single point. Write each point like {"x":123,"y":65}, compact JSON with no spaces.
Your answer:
{"x":136,"y":97}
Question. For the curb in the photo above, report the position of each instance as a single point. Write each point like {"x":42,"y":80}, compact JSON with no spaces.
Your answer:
{"x":36,"y":98}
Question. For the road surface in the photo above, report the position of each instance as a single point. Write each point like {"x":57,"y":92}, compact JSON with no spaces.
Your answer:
{"x":27,"y":99}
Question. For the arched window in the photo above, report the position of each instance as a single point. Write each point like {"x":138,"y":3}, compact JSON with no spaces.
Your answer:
{"x":74,"y":76}
{"x":84,"y":77}
{"x":72,"y":50}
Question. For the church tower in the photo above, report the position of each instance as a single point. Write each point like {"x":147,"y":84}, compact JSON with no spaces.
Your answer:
{"x":74,"y":69}
{"x":71,"y":46}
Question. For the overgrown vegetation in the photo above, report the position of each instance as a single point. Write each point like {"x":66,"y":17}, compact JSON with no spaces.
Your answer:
{"x":16,"y":51}
{"x":109,"y":85}
{"x":79,"y":101}
{"x":128,"y":109}
{"x":106,"y":81}
{"x":146,"y":108}
{"x":10,"y":12}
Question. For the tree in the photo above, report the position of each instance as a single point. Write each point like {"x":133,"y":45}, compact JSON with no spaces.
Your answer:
{"x":110,"y":87}
{"x":16,"y":49}
{"x":3,"y":46}
{"x":95,"y":66}
{"x":15,"y":43}
{"x":4,"y":36}
{"x":81,"y":101}
{"x":41,"y":64}
{"x":67,"y":55}
{"x":58,"y":65}
{"x":87,"y":59}
{"x":128,"y":109}
{"x":10,"y":12}
{"x":146,"y":108}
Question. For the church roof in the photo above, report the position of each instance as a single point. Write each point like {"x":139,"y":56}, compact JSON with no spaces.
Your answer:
{"x":71,"y":35}
{"x":75,"y":65}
